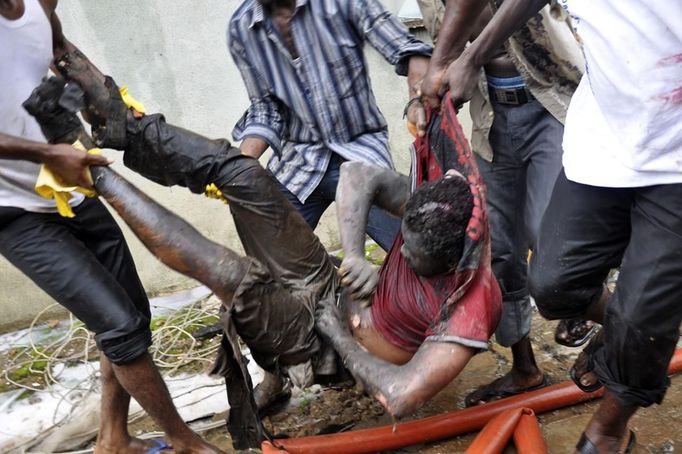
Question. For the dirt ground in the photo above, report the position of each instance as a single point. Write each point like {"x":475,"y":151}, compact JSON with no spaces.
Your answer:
{"x":658,"y":428}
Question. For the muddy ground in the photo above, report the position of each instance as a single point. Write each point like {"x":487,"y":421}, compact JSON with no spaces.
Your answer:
{"x":659,"y":428}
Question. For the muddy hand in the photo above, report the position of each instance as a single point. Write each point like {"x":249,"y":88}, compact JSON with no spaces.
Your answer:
{"x":105,"y":109}
{"x":360,"y":276}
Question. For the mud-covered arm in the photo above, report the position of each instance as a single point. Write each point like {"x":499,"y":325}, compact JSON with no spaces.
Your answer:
{"x":462,"y":75}
{"x":400,"y":389}
{"x":361,"y":186}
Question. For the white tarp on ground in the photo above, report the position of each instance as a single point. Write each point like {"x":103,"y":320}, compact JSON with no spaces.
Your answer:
{"x":66,"y":414}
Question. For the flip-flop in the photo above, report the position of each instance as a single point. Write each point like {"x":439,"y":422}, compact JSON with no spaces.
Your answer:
{"x":497,"y":394}
{"x":576,"y":342}
{"x":160,"y":446}
{"x":587,"y":389}
{"x":591,"y":348}
{"x":585,"y":446}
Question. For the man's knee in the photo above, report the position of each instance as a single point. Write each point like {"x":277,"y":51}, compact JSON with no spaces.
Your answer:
{"x":125,"y":342}
{"x":557,"y":296}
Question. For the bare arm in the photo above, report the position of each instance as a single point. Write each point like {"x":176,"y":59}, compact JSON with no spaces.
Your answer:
{"x":400,"y":389}
{"x":361,"y":186}
{"x":69,"y":164}
{"x":462,"y":74}
{"x":459,"y":23}
{"x":417,"y":70}
{"x":253,"y":146}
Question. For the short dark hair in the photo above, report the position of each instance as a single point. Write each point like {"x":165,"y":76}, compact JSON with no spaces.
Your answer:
{"x":439,"y":212}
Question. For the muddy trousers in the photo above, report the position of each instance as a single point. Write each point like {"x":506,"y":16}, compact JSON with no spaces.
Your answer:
{"x":585,"y":232}
{"x":84,"y":264}
{"x":270,"y":303}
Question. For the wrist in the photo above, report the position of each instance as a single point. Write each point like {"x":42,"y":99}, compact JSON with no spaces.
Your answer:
{"x":355,"y":254}
{"x":474,"y":56}
{"x":44,"y":152}
{"x":417,"y":67}
{"x":344,"y":342}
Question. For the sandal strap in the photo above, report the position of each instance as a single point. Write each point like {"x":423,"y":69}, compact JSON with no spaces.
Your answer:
{"x":585,"y":446}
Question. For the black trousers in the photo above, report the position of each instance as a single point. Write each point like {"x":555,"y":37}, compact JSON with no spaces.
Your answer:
{"x":588,"y":230}
{"x":85,"y":265}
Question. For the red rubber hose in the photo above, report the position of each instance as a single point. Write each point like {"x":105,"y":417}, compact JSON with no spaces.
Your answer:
{"x":496,"y":434}
{"x":438,"y":427}
{"x":528,"y":437}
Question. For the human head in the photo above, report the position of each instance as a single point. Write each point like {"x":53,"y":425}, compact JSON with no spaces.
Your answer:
{"x":434,"y":225}
{"x":12,"y":9}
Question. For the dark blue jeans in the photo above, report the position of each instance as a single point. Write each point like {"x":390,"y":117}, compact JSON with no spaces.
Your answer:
{"x":526,"y":142}
{"x":382,"y":227}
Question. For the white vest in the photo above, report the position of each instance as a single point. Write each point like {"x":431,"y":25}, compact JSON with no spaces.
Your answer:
{"x":25,"y":55}
{"x":624,"y":124}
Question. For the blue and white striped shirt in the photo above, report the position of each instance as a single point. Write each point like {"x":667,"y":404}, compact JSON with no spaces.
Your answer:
{"x":321,"y":102}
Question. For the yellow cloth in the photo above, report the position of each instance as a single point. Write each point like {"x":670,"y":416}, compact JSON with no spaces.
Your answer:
{"x":130,"y":101}
{"x":50,"y":187}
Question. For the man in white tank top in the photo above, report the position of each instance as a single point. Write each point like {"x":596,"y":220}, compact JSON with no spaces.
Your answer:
{"x":84,"y":262}
{"x":618,"y":201}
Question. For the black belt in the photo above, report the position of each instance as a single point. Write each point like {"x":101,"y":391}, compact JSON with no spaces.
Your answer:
{"x":510,"y":96}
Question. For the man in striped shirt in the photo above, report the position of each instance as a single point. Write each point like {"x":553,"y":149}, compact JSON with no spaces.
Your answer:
{"x":311,"y":100}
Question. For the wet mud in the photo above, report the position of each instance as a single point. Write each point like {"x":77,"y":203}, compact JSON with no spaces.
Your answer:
{"x":658,"y":428}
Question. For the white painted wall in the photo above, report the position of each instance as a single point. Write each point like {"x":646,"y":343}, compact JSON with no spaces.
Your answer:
{"x":173,"y":56}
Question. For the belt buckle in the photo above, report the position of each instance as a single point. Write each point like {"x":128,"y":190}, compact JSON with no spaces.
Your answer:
{"x":507,"y":96}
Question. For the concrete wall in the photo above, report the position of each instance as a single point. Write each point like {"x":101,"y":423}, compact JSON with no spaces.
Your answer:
{"x":173,"y":56}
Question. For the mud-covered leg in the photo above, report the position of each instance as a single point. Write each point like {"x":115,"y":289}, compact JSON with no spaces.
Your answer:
{"x":170,"y":238}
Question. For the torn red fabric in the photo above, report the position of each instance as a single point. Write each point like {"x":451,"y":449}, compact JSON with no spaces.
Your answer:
{"x":464,"y":305}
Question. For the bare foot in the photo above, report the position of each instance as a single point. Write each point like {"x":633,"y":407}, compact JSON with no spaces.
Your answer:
{"x":514,"y":382}
{"x":197,"y":446}
{"x":132,"y":446}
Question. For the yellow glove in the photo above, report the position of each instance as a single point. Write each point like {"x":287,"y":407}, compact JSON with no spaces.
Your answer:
{"x":49,"y":187}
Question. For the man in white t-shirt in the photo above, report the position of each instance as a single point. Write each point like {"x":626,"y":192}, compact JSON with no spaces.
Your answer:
{"x":82,"y":262}
{"x":618,"y":201}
